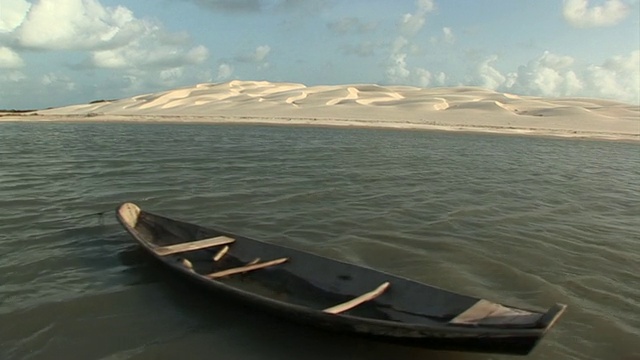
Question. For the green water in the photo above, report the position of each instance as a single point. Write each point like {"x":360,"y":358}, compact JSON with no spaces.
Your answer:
{"x":520,"y":220}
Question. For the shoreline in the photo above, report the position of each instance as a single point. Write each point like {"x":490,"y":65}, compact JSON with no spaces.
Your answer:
{"x":468,"y":109}
{"x":327,"y":122}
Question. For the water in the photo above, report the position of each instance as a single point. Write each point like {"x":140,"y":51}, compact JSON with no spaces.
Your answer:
{"x":521,"y":220}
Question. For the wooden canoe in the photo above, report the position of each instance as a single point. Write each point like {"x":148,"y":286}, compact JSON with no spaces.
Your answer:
{"x":335,"y":295}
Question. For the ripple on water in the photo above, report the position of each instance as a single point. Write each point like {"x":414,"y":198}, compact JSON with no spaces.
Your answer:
{"x":529,"y":221}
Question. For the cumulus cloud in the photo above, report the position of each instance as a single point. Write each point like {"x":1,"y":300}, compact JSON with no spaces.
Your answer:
{"x":224,"y":72}
{"x":447,"y":35}
{"x":170,"y":76}
{"x":399,"y":45}
{"x":139,"y":55}
{"x":138,"y":50}
{"x":617,"y":78}
{"x":12,"y":14}
{"x":411,"y":24}
{"x":440,"y":78}
{"x":261,"y":52}
{"x":579,"y":14}
{"x":9,"y":59}
{"x":397,"y":72}
{"x":548,"y":75}
{"x":423,"y":77}
{"x":113,"y":36}
{"x":77,"y":25}
{"x":489,"y":76}
{"x":256,"y":56}
{"x":553,"y":75}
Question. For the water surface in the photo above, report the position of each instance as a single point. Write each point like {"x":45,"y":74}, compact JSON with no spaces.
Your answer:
{"x":519,"y":220}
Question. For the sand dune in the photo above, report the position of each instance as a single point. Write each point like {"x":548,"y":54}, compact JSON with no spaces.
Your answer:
{"x":458,"y":108}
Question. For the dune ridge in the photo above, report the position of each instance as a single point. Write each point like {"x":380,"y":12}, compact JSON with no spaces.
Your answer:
{"x":456,"y":108}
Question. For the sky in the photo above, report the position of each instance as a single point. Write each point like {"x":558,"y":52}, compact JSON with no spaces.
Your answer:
{"x":61,"y":52}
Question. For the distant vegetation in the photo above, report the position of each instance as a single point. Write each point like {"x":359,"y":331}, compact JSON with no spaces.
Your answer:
{"x":5,"y":112}
{"x":101,"y":101}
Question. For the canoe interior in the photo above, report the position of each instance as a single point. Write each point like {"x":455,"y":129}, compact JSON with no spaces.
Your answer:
{"x":308,"y":280}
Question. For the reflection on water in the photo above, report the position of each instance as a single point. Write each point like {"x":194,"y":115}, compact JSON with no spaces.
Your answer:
{"x":514,"y":219}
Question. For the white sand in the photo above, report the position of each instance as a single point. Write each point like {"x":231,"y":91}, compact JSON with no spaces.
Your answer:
{"x":458,"y":108}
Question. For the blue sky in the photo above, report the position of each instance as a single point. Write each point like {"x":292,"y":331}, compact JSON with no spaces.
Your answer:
{"x":59,"y":52}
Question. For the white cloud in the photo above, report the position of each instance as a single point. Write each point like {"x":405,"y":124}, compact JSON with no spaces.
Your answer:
{"x":616,"y":78}
{"x":397,"y":72}
{"x":490,"y":77}
{"x":399,"y":44}
{"x":552,"y":75}
{"x":146,"y":53}
{"x":448,"y":36}
{"x":423,"y":77}
{"x":142,"y":53}
{"x":114,"y":37}
{"x":224,"y":71}
{"x":440,"y":78}
{"x":12,"y":14}
{"x":77,"y":25}
{"x":554,"y":61}
{"x":411,"y":24}
{"x":9,"y":59}
{"x":170,"y":76}
{"x":261,"y":53}
{"x":256,"y":56}
{"x":548,"y":75}
{"x":579,"y":14}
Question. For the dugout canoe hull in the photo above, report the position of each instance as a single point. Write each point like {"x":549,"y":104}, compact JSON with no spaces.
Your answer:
{"x":335,"y":295}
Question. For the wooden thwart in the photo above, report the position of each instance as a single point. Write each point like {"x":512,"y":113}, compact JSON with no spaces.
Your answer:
{"x":187,"y":264}
{"x":357,"y":301}
{"x":246,"y":268}
{"x":221,"y":253}
{"x":193,"y":245}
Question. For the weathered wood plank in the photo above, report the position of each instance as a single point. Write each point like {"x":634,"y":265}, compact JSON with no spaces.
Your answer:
{"x":193,"y":245}
{"x":221,"y":253}
{"x":246,"y":268}
{"x":357,"y":301}
{"x":490,"y":313}
{"x":187,"y":264}
{"x":129,"y":214}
